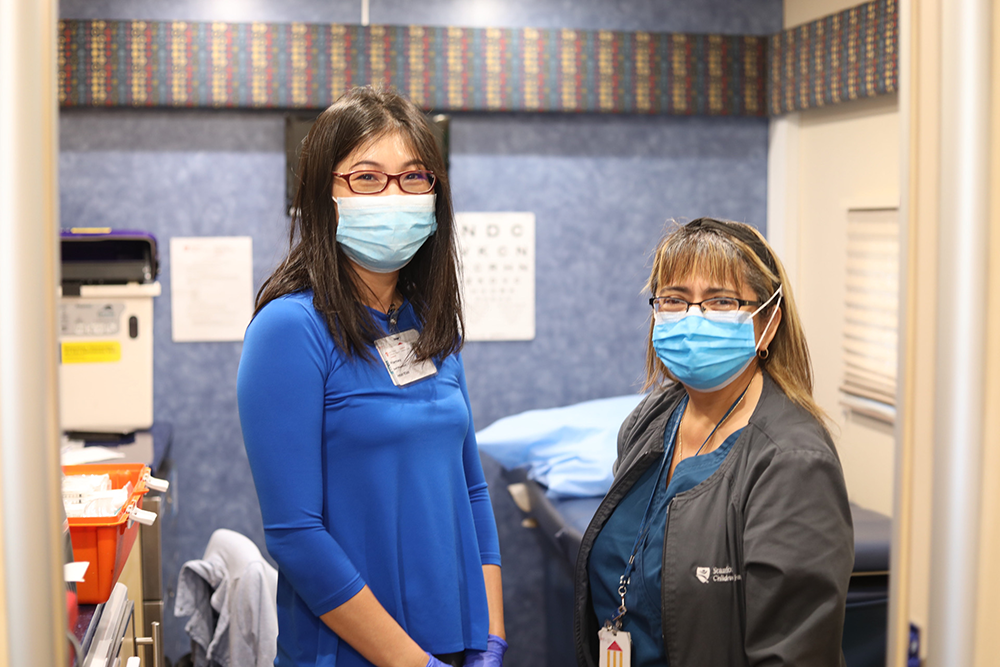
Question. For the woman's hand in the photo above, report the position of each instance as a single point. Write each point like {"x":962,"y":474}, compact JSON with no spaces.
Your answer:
{"x":491,"y":657}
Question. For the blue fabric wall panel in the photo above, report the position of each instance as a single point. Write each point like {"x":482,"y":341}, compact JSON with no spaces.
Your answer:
{"x":599,"y":213}
{"x":285,"y":11}
{"x":176,"y":189}
{"x":759,"y":17}
{"x":601,"y":187}
{"x":747,"y":17}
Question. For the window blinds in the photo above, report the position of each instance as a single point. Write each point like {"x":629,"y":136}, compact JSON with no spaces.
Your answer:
{"x":871,"y":311}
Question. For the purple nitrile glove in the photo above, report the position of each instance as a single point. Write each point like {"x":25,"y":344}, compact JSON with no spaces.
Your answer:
{"x":434,"y":662}
{"x":491,"y":657}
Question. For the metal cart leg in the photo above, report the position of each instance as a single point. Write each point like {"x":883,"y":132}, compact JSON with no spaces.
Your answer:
{"x":156,"y":641}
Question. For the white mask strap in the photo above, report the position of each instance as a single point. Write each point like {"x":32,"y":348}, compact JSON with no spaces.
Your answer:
{"x":764,"y":305}
{"x":777,"y":293}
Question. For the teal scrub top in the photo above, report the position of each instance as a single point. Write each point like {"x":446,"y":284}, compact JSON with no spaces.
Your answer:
{"x":614,"y":544}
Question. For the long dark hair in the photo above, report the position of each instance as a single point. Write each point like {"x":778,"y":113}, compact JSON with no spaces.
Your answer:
{"x":315,"y":261}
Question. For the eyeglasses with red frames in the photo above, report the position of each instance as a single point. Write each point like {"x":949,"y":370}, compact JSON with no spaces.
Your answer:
{"x":372,"y":182}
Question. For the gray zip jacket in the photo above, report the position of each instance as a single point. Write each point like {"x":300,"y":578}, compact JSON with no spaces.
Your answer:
{"x":757,"y":558}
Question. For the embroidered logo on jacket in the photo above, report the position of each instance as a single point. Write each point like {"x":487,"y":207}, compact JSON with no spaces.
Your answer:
{"x":716,"y":574}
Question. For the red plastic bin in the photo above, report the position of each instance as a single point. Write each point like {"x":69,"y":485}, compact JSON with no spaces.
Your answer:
{"x":106,"y":541}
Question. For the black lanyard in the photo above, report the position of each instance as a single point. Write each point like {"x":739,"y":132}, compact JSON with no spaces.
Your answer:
{"x":644,"y":525}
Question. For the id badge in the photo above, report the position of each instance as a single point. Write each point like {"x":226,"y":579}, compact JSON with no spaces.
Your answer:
{"x":396,"y":351}
{"x":616,"y":648}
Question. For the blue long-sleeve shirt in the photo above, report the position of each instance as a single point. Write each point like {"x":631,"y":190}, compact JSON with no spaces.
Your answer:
{"x":363,"y":482}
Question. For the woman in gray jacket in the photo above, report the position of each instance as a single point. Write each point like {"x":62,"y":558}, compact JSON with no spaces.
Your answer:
{"x":726,"y":537}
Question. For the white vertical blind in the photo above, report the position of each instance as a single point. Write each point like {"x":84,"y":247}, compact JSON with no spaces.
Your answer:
{"x":870,"y":313}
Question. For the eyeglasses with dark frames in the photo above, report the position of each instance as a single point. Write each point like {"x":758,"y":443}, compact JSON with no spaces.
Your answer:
{"x":719,"y":304}
{"x":372,"y":182}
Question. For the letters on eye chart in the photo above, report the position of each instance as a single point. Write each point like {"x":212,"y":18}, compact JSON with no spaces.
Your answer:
{"x":498,"y":265}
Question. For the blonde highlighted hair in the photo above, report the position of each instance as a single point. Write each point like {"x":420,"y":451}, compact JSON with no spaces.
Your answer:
{"x":733,"y":253}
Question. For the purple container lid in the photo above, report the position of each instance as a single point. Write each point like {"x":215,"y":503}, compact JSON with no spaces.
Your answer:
{"x":96,"y":234}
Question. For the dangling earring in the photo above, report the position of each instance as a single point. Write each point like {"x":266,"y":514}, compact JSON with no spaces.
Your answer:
{"x":762,"y":353}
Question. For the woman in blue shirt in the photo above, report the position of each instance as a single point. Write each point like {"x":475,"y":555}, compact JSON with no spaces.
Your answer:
{"x":355,"y":412}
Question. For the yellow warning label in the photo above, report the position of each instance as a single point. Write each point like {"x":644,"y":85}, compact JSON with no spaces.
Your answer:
{"x":90,"y":230}
{"x":95,"y":352}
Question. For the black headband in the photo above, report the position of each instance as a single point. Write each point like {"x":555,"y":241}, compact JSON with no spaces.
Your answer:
{"x":743,"y":234}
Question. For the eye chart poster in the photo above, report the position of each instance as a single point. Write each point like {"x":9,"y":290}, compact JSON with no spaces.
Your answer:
{"x":498,"y":265}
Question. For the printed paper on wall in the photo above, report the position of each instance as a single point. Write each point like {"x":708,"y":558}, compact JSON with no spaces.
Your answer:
{"x":211,"y":287}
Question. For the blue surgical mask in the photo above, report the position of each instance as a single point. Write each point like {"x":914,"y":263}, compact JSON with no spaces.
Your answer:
{"x":707,"y":351}
{"x":382,"y":234}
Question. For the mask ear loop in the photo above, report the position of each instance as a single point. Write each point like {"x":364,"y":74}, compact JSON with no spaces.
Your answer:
{"x":777,"y":293}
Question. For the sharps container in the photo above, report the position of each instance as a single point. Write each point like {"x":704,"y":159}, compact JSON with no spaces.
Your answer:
{"x":106,"y":330}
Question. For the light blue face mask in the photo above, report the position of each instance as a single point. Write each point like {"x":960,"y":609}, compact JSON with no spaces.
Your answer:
{"x":708,"y":351}
{"x":382,"y":234}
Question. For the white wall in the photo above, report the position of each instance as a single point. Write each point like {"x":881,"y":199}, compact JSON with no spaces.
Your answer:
{"x":3,"y":586}
{"x":848,"y":158}
{"x":862,"y":137}
{"x":798,"y":12}
{"x":821,"y":163}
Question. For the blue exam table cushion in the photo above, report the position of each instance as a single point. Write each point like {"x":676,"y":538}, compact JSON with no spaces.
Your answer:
{"x":872,"y":539}
{"x":569,"y":450}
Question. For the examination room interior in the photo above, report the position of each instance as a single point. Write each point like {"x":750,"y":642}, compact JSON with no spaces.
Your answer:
{"x":601,"y":186}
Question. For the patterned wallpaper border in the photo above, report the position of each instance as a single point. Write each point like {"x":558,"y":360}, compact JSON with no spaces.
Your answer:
{"x":307,"y":66}
{"x":842,"y":57}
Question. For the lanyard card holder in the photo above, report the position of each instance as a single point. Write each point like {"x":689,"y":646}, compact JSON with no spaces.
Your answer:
{"x":396,"y":351}
{"x":616,"y":648}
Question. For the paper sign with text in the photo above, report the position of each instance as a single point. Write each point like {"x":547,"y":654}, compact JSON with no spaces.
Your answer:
{"x":211,"y":288}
